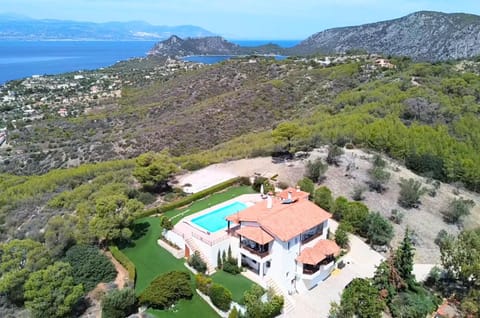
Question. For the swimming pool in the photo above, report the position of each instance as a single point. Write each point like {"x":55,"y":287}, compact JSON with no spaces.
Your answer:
{"x":215,"y":220}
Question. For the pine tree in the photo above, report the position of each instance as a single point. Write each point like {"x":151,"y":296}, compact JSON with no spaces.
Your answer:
{"x":404,"y":259}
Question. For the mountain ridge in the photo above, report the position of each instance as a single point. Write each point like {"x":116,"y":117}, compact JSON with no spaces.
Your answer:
{"x":14,"y":27}
{"x":422,"y":35}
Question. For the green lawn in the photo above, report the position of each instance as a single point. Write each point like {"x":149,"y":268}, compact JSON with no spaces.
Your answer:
{"x":177,"y":214}
{"x":237,"y":284}
{"x":151,"y":260}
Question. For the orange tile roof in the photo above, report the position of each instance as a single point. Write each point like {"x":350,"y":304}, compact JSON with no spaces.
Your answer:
{"x":296,"y":194}
{"x":255,"y":234}
{"x":284,"y":221}
{"x":317,"y":253}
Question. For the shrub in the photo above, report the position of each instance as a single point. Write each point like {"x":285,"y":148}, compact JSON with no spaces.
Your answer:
{"x":441,"y":237}
{"x":125,"y":261}
{"x":146,"y":198}
{"x":167,"y":289}
{"x":89,"y":266}
{"x":357,"y":193}
{"x":377,"y":229}
{"x":341,"y":236}
{"x":323,"y":198}
{"x":378,"y":162}
{"x":166,"y":223}
{"x":244,"y":181}
{"x":231,"y":268}
{"x":356,"y":215}
{"x":196,"y":262}
{"x":307,"y":185}
{"x":410,"y":192}
{"x":340,"y":208}
{"x":119,"y":303}
{"x":220,"y":297}
{"x":378,"y":178}
{"x":203,"y":283}
{"x":315,"y":170}
{"x":418,"y":303}
{"x":396,"y":216}
{"x":426,"y":164}
{"x":333,"y":156}
{"x":457,"y":209}
{"x":259,"y":181}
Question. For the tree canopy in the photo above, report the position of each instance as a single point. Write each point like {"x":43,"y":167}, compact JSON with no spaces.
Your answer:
{"x":153,"y":170}
{"x":51,"y":292}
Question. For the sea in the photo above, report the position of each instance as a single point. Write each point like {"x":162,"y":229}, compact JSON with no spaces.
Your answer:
{"x":19,"y":59}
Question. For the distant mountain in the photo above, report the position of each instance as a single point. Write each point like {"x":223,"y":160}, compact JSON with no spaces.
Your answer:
{"x":14,"y":27}
{"x":213,"y":45}
{"x":425,"y":35}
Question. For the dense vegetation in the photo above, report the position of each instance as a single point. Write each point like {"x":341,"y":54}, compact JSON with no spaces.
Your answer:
{"x":167,"y":289}
{"x":425,"y":115}
{"x":89,"y":266}
{"x":393,"y":289}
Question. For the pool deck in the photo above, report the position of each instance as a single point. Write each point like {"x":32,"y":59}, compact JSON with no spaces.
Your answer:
{"x":187,"y":229}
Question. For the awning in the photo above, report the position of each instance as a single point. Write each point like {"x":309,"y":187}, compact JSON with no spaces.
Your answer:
{"x":319,"y":252}
{"x":255,"y":234}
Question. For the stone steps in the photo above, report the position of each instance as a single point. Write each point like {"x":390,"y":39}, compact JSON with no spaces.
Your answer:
{"x":288,"y":305}
{"x":194,"y":248}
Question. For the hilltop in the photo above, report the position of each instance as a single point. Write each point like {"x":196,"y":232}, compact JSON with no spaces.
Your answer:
{"x":424,"y":36}
{"x":214,"y":45}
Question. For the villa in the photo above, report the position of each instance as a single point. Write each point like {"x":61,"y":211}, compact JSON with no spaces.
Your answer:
{"x":281,"y":239}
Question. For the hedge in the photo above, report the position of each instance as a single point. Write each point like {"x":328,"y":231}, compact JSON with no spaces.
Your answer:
{"x":190,"y":198}
{"x":125,"y":261}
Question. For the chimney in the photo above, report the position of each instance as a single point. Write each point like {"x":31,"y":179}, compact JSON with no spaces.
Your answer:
{"x":269,"y":201}
{"x":289,"y":197}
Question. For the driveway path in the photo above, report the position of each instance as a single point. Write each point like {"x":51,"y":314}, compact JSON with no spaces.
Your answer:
{"x":361,"y":261}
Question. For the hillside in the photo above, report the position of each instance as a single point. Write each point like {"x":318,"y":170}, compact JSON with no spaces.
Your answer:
{"x":423,"y":36}
{"x":175,"y":46}
{"x":14,"y":27}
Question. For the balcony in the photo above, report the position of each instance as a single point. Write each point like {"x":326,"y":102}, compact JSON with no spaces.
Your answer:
{"x":256,"y":249}
{"x":325,"y":265}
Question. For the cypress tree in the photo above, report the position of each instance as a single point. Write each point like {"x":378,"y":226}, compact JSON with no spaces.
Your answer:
{"x":219,"y":260}
{"x":404,"y":259}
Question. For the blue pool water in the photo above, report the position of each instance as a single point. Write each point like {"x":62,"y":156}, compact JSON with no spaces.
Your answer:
{"x":215,"y":220}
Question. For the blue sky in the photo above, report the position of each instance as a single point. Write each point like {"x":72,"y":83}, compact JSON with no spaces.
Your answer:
{"x":238,"y":19}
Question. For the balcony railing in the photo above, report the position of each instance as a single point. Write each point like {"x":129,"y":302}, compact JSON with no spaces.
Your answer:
{"x":262,"y":254}
{"x":311,"y":238}
{"x":312,"y":271}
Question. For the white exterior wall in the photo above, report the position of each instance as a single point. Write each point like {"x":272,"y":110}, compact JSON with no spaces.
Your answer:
{"x":175,"y":238}
{"x":211,"y":252}
{"x":283,"y":264}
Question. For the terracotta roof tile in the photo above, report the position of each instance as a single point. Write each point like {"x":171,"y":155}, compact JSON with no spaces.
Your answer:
{"x":317,"y":253}
{"x":255,"y":234}
{"x":284,"y":221}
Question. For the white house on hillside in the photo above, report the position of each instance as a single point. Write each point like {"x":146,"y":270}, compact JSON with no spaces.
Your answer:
{"x":284,"y":238}
{"x":280,"y":239}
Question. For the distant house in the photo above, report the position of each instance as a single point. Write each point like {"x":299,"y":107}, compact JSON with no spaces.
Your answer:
{"x":384,"y":63}
{"x":63,"y":112}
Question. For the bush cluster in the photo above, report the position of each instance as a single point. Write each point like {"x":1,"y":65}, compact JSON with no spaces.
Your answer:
{"x":89,"y":266}
{"x":220,"y":297}
{"x":166,"y":290}
{"x":197,"y":263}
